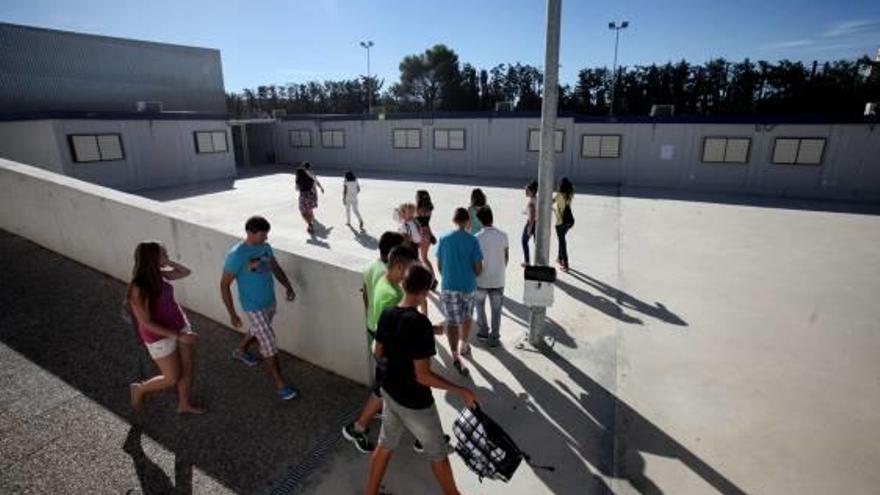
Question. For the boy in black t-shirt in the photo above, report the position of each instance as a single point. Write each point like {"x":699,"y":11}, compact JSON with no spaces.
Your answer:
{"x":406,"y":338}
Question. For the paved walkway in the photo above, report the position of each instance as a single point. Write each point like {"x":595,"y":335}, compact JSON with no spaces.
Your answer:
{"x":66,"y":360}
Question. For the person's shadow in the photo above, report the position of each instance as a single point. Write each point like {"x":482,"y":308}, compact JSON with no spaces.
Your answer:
{"x":621,"y":299}
{"x":320,"y":234}
{"x":364,"y":239}
{"x":547,"y":444}
{"x":601,"y":428}
{"x":599,"y":303}
{"x":152,"y":478}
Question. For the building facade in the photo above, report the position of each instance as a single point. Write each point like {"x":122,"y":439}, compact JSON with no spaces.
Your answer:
{"x":125,"y":152}
{"x":75,"y":104}
{"x":806,"y":158}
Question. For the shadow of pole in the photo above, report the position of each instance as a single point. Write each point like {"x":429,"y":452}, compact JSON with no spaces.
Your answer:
{"x":547,"y":443}
{"x":553,"y":331}
{"x":633,"y":433}
{"x":592,"y":426}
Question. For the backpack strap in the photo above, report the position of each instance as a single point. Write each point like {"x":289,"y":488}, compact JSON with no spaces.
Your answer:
{"x":528,"y":460}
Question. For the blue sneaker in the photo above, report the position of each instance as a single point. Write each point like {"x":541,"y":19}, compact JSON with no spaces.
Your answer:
{"x":287,"y":393}
{"x":245,"y":357}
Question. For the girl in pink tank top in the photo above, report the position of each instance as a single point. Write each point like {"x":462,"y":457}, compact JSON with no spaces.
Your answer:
{"x":162,"y":325}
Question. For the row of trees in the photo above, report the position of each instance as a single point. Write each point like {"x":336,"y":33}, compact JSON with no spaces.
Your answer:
{"x":437,"y":81}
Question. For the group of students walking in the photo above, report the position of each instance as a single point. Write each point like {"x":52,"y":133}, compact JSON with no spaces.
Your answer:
{"x":471,"y":262}
{"x":402,"y":338}
{"x":415,"y":217}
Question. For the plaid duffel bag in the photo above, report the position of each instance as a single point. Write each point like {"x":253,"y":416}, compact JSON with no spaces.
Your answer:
{"x":486,"y":448}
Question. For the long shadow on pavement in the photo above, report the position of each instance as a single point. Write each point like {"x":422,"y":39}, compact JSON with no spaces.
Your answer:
{"x":66,"y":319}
{"x":593,"y":425}
{"x":567,"y":451}
{"x":611,"y":302}
{"x":625,"y":300}
{"x":152,"y":478}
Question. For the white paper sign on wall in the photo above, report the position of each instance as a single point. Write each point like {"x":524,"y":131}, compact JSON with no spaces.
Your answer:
{"x":666,"y":152}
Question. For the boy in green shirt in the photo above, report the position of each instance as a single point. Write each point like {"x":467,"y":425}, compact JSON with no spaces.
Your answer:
{"x":375,"y":271}
{"x":386,"y":294}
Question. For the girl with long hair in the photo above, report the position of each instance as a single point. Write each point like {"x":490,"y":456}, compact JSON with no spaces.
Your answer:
{"x":478,"y":200}
{"x":531,"y":219}
{"x":162,"y":325}
{"x":564,"y":218}
{"x":350,"y":191}
{"x":424,"y":210}
{"x":308,"y":197}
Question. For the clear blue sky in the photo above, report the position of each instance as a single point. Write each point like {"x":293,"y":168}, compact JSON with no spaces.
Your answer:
{"x":273,"y":41}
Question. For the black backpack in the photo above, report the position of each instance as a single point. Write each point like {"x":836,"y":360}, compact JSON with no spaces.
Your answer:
{"x":486,"y":448}
{"x":567,"y":217}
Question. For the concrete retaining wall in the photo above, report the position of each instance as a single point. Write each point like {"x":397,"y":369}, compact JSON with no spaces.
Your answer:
{"x":100,"y":227}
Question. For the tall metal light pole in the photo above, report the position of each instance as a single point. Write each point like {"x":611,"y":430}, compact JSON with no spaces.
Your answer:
{"x":549,"y":106}
{"x":368,"y":45}
{"x":616,"y":27}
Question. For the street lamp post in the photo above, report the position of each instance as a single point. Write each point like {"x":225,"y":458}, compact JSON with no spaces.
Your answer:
{"x":367,"y":45}
{"x":616,"y":27}
{"x":547,"y":157}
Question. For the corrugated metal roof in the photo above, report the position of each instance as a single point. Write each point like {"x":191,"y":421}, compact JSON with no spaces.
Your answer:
{"x":49,"y":70}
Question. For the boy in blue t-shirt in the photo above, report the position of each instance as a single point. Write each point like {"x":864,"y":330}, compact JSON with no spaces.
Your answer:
{"x":459,"y":260}
{"x":252,"y":264}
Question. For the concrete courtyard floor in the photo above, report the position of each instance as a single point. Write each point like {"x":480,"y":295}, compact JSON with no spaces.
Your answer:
{"x":697,"y":346}
{"x":700,"y":344}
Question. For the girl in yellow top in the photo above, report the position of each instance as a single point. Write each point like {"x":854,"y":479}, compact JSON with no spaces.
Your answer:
{"x":564,"y":218}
